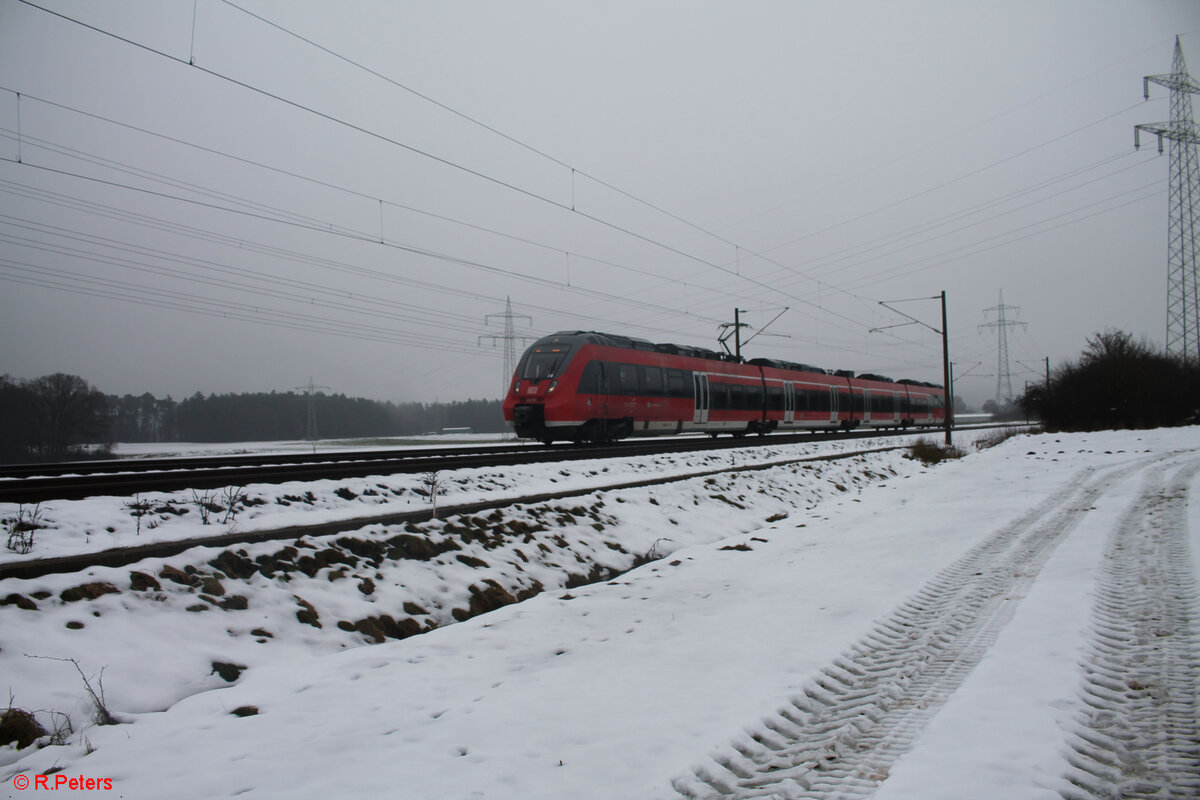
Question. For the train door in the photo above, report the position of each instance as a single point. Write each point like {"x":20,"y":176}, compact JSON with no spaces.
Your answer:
{"x":866,"y":401}
{"x":833,"y":404}
{"x":701,"y":394}
{"x":789,"y":402}
{"x":603,"y":389}
{"x":896,"y":407}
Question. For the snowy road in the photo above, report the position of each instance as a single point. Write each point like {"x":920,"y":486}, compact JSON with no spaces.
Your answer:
{"x":1022,"y":623}
{"x":859,"y":715}
{"x":1142,"y":730}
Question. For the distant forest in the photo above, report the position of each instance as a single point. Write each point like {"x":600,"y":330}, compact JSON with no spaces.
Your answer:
{"x":61,"y":416}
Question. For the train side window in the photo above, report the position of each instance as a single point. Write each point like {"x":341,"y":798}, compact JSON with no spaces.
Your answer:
{"x":652,"y":381}
{"x":678,"y":384}
{"x":719,"y":392}
{"x":627,"y":379}
{"x":752,"y":397}
{"x":741,"y":399}
{"x":775,"y":398}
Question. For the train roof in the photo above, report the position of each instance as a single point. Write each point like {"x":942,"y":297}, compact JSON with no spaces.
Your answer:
{"x":633,"y":343}
{"x":594,"y":337}
{"x":791,"y":365}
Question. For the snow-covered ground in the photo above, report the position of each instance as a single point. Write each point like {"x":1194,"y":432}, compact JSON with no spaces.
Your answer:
{"x":102,"y":523}
{"x":1020,"y":623}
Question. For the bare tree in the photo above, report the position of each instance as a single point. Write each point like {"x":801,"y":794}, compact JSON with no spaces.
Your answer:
{"x":70,"y":412}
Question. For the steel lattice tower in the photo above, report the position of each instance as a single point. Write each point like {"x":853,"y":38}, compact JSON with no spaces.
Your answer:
{"x":310,"y":392}
{"x":1183,"y":297}
{"x":1004,"y":392}
{"x":510,"y":338}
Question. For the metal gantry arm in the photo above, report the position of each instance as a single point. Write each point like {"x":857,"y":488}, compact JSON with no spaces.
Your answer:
{"x":944,"y":333}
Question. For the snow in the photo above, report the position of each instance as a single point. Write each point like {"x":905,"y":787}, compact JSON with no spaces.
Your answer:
{"x":102,"y":523}
{"x":620,"y":688}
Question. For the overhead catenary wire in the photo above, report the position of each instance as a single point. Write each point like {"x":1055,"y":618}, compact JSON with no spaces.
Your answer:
{"x":650,"y":308}
{"x":421,"y":152}
{"x":363,"y":233}
{"x":414,"y":250}
{"x":449,"y":163}
{"x":394,"y":142}
{"x":244,"y":244}
{"x":575,"y":170}
{"x":891,"y":253}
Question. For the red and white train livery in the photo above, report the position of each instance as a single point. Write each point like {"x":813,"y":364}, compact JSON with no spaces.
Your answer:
{"x":595,"y":387}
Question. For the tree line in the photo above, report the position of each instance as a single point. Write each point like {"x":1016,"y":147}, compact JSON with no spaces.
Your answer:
{"x":1117,"y":382}
{"x":59,"y":417}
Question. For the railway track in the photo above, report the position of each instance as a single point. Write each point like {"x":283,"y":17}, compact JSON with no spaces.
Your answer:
{"x":74,"y":481}
{"x":123,"y":556}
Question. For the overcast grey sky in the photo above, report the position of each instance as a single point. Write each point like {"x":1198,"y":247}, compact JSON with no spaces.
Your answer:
{"x":227,"y":196}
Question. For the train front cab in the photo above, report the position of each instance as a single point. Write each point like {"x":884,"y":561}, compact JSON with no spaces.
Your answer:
{"x":534,"y":405}
{"x":582,"y":386}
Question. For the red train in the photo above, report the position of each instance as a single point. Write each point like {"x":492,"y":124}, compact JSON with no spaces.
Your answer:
{"x":583,"y":386}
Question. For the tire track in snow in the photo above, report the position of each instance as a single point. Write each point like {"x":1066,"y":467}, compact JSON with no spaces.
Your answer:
{"x":1140,"y":730}
{"x":841,"y":734}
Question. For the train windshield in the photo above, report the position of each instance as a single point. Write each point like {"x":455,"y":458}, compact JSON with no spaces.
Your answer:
{"x":543,"y":362}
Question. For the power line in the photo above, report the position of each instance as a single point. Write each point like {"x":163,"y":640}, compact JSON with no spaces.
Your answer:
{"x":575,"y":171}
{"x":240,"y":243}
{"x":395,"y":142}
{"x":25,"y":138}
{"x":966,"y":213}
{"x":975,"y":248}
{"x":419,"y":251}
{"x":607,"y":298}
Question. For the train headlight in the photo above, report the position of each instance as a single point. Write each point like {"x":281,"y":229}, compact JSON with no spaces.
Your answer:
{"x":552,"y":386}
{"x":517,"y":387}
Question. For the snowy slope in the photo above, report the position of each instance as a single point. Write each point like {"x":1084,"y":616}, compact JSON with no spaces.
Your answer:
{"x":932,"y":634}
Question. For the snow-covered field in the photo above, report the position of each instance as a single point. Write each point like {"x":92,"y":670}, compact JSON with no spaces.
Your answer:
{"x":1020,"y":623}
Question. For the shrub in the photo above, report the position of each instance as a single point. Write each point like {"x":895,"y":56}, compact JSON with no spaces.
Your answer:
{"x":20,"y":726}
{"x":1118,"y":383}
{"x":928,"y":452}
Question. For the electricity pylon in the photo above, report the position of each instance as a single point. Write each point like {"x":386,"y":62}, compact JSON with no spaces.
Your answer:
{"x":310,"y":390}
{"x":510,"y":338}
{"x":1001,"y":324}
{"x":1183,"y":225}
